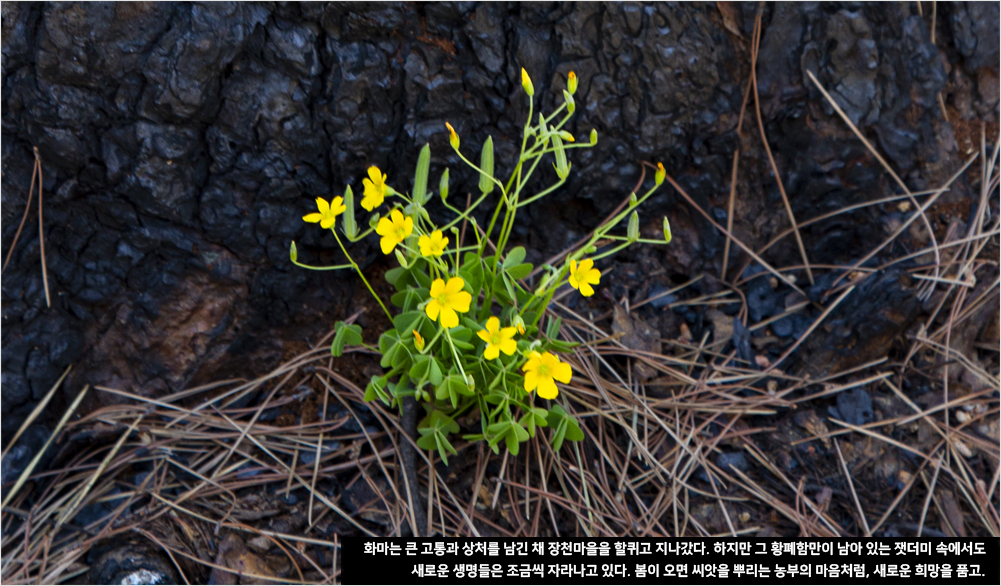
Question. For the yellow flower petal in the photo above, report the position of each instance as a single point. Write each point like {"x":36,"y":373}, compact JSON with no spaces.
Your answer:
{"x":432,"y":308}
{"x":547,"y":388}
{"x":312,"y":218}
{"x":454,"y":285}
{"x":492,"y":352}
{"x":387,"y":243}
{"x":531,"y":381}
{"x":384,"y":227}
{"x":493,"y":325}
{"x":328,"y":222}
{"x":322,"y":205}
{"x":562,"y":372}
{"x":437,"y":288}
{"x":449,"y":319}
{"x":509,"y":347}
{"x":484,"y":335}
{"x":460,"y":301}
{"x":586,"y":290}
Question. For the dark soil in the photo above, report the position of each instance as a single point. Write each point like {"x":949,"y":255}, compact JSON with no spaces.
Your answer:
{"x":182,"y":143}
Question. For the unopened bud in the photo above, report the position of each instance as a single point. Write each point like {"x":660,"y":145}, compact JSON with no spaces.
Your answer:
{"x":594,"y":137}
{"x":526,"y":82}
{"x":633,"y":201}
{"x":667,"y":231}
{"x":443,"y":186}
{"x":519,"y":324}
{"x":659,"y":177}
{"x":572,"y":83}
{"x":571,"y":106}
{"x":401,"y":258}
{"x":567,"y":136}
{"x":633,"y":231}
{"x":293,"y":252}
{"x":453,"y":138}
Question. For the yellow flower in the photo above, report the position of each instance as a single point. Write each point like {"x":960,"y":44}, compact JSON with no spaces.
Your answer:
{"x":447,"y":300}
{"x":453,"y":138}
{"x":433,"y":245}
{"x":394,"y":231}
{"x":418,"y":341}
{"x":328,"y":212}
{"x":375,"y":189}
{"x":584,"y":275}
{"x":498,"y":339}
{"x":541,"y":369}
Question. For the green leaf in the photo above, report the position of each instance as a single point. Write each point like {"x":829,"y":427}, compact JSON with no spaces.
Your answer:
{"x":408,"y":321}
{"x":421,"y":367}
{"x":561,"y":432}
{"x":421,"y":176}
{"x":394,"y":351}
{"x":393,"y":275}
{"x":553,"y":330}
{"x":434,"y":373}
{"x":376,"y":389}
{"x":512,"y":441}
{"x":427,"y":442}
{"x":515,"y":257}
{"x":574,"y":432}
{"x":345,"y":335}
{"x":487,"y":166}
{"x":563,"y":347}
{"x":521,"y":271}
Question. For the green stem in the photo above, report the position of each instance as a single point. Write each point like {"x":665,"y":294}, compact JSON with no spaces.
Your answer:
{"x":357,"y":269}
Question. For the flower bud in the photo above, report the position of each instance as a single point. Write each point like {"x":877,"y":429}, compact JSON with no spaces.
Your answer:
{"x":659,"y":177}
{"x":567,"y":136}
{"x":633,"y":231}
{"x":487,"y":166}
{"x":293,"y":252}
{"x":667,"y":231}
{"x":633,"y":201}
{"x":562,"y":168}
{"x":590,"y":249}
{"x":443,"y":186}
{"x":571,"y":106}
{"x":572,"y":83}
{"x":519,"y":324}
{"x":453,"y":138}
{"x":418,"y":341}
{"x":350,"y":225}
{"x":526,"y":82}
{"x":594,"y":137}
{"x":470,"y":382}
{"x":401,"y":258}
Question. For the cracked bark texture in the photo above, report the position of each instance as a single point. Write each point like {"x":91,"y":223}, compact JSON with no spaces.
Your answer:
{"x":182,"y":143}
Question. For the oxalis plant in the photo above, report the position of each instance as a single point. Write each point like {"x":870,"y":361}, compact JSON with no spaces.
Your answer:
{"x":467,"y":331}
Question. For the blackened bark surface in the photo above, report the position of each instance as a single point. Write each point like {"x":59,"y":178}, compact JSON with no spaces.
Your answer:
{"x":182,"y":143}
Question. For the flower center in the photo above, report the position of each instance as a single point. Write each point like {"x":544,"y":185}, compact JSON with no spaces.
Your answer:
{"x":401,"y":232}
{"x":495,"y":339}
{"x":543,"y":370}
{"x":443,"y":299}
